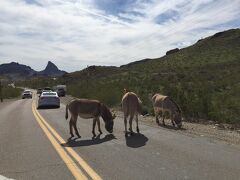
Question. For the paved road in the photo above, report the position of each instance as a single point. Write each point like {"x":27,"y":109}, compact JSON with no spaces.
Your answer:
{"x":26,"y":152}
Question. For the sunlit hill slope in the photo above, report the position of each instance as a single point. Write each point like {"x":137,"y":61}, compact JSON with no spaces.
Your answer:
{"x":202,"y":78}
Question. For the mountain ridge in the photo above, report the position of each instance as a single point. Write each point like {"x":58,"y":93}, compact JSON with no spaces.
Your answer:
{"x":16,"y":71}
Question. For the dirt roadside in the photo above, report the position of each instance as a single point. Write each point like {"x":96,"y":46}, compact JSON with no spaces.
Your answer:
{"x":7,"y":102}
{"x":209,"y":129}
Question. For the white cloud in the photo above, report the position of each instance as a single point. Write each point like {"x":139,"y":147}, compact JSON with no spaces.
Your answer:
{"x":78,"y":33}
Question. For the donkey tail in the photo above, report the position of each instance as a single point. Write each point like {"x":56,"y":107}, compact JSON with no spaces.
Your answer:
{"x":139,"y":107}
{"x":66,"y":114}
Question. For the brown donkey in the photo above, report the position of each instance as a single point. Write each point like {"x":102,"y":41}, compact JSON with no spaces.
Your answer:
{"x":162,"y":104}
{"x":131,"y":106}
{"x":87,"y":109}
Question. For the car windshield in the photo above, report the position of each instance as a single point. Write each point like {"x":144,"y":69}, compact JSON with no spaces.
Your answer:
{"x":27,"y":92}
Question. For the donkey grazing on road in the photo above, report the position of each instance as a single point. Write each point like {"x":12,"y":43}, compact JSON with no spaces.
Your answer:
{"x":162,"y":104}
{"x":87,"y":109}
{"x":131,"y":106}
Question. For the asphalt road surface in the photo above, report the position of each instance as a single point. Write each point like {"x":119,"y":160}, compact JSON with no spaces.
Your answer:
{"x":34,"y":145}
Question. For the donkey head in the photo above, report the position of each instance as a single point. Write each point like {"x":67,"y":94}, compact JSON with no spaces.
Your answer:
{"x":178,"y":119}
{"x":110,"y":123}
{"x":107,"y":117}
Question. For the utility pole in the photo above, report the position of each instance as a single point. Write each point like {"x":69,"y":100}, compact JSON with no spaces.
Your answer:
{"x":1,"y":97}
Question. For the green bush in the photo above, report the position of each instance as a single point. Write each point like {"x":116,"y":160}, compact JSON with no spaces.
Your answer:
{"x":10,"y":92}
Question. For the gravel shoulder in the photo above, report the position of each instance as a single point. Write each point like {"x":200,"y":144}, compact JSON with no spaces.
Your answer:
{"x":208,"y":129}
{"x":6,"y":102}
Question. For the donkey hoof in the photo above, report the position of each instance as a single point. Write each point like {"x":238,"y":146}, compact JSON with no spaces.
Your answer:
{"x":100,"y":132}
{"x":131,"y":133}
{"x":126,"y":134}
{"x":138,"y":130}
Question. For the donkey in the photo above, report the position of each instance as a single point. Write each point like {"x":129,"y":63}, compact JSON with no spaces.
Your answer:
{"x":162,"y":104}
{"x":131,"y":106}
{"x":87,"y":109}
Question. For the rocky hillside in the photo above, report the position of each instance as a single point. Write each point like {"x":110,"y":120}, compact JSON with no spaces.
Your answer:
{"x":202,"y":78}
{"x":15,"y":69}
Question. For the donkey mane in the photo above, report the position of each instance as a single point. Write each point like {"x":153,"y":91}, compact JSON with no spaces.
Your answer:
{"x":105,"y":113}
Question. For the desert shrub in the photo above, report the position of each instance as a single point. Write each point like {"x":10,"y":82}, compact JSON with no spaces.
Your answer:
{"x":10,"y":92}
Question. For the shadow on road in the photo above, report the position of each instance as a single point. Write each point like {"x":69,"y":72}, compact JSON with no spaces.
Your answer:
{"x":172,"y":127}
{"x":47,"y":107}
{"x":136,"y":140}
{"x":88,"y":142}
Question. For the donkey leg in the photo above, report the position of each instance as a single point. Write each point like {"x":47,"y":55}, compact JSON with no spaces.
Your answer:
{"x":70,"y":127}
{"x":75,"y":127}
{"x":137,"y":128}
{"x":163,"y":117}
{"x":172,"y":120}
{"x":130,"y":124}
{"x":157,"y":120}
{"x":99,"y":128}
{"x":93,"y":127}
{"x":125,"y":124}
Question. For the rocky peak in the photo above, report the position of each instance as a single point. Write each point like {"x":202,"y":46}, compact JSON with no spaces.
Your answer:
{"x":51,"y":67}
{"x":51,"y":70}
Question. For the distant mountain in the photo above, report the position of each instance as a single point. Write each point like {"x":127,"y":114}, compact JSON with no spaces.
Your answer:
{"x":16,"y":68}
{"x":17,"y":71}
{"x":51,"y":70}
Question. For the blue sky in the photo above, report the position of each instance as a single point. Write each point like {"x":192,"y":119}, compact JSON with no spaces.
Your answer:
{"x":77,"y":33}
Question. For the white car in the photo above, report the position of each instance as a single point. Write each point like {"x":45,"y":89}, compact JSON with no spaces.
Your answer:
{"x":26,"y":94}
{"x":48,"y":99}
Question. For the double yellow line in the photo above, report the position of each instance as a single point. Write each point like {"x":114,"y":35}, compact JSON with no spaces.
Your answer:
{"x":66,"y":153}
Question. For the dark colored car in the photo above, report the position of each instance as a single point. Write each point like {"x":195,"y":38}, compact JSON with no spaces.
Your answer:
{"x":48,"y":88}
{"x":61,"y":92}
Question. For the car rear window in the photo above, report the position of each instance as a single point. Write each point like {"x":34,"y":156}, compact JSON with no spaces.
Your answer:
{"x":49,"y":94}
